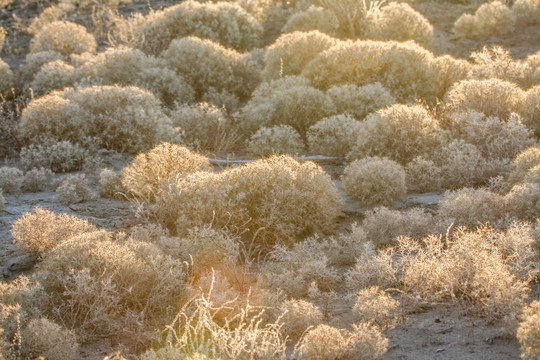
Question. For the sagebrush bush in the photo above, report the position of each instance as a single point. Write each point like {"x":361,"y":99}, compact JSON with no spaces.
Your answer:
{"x":450,"y":70}
{"x":375,"y":181}
{"x":120,"y":289}
{"x":314,"y":18}
{"x":74,"y":189}
{"x":223,"y":22}
{"x":118,"y":118}
{"x":423,"y":175}
{"x":280,"y":139}
{"x":407,"y":70}
{"x":205,"y":126}
{"x":527,"y":12}
{"x":290,"y":53}
{"x":147,"y":171}
{"x":60,"y":157}
{"x":298,"y":315}
{"x":64,"y":37}
{"x":35,"y":180}
{"x":523,"y":201}
{"x":360,"y":101}
{"x":276,"y":200}
{"x":530,"y":110}
{"x":11,"y":179}
{"x":333,"y":136}
{"x":375,"y":306}
{"x":492,"y":18}
{"x":528,"y":332}
{"x":54,"y":75}
{"x":42,"y":337}
{"x":2,"y":201}
{"x":6,"y":78}
{"x":109,"y":184}
{"x":33,"y":63}
{"x":39,"y":231}
{"x":522,"y":163}
{"x":400,"y":132}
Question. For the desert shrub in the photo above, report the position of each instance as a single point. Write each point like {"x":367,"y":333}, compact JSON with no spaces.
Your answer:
{"x":208,"y":65}
{"x":375,"y":306}
{"x":423,"y":175}
{"x":527,"y":12}
{"x":123,"y":119}
{"x":528,"y":332}
{"x":54,"y":75}
{"x":143,"y":176}
{"x":60,"y":157}
{"x":525,"y":160}
{"x":407,"y":70}
{"x":223,"y":22}
{"x":6,"y":78}
{"x":35,"y":180}
{"x":523,"y":201}
{"x":41,"y":230}
{"x":532,"y":175}
{"x":290,"y":53}
{"x":109,"y":184}
{"x":375,"y":181}
{"x":492,"y":18}
{"x":120,"y":289}
{"x":450,"y":70}
{"x":276,"y":199}
{"x":64,"y":37}
{"x":2,"y":37}
{"x":493,"y":97}
{"x":314,"y":18}
{"x":2,"y":201}
{"x":11,"y":179}
{"x":399,"y":21}
{"x":281,"y":139}
{"x":366,"y":342}
{"x":283,"y":102}
{"x":494,"y":137}
{"x":42,"y":337}
{"x":34,"y":61}
{"x":74,"y":189}
{"x":382,"y":225}
{"x":333,"y":136}
{"x":399,"y":132}
{"x":359,"y":101}
{"x":530,"y":110}
{"x":205,"y":126}
{"x":298,"y":315}
{"x":471,"y":207}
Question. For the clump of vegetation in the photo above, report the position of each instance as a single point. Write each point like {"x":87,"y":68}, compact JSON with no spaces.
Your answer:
{"x":60,"y":157}
{"x":42,"y":337}
{"x":63,"y":37}
{"x":11,"y":179}
{"x":334,"y":136}
{"x":528,"y":332}
{"x":74,"y":189}
{"x":2,"y":201}
{"x":109,"y":184}
{"x":6,"y":78}
{"x":493,"y":18}
{"x":298,"y":316}
{"x":376,"y":307}
{"x":281,"y":139}
{"x":35,"y":180}
{"x":360,"y":101}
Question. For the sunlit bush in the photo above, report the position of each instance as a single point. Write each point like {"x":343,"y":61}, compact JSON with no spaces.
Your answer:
{"x":74,"y":189}
{"x":528,"y":332}
{"x":299,"y":315}
{"x":450,"y":70}
{"x":314,"y":18}
{"x":423,"y":175}
{"x":523,"y":201}
{"x":525,"y":160}
{"x":492,"y":18}
{"x":64,"y":37}
{"x":527,"y":12}
{"x":33,"y":63}
{"x":35,"y":180}
{"x":6,"y":78}
{"x":375,"y":306}
{"x":60,"y":157}
{"x":530,"y":110}
{"x":11,"y":179}
{"x":333,"y":136}
{"x":42,"y":337}
{"x":280,"y":139}
{"x":360,"y":101}
{"x":109,"y":184}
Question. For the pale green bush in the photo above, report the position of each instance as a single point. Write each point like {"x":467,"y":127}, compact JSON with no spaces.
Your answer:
{"x":360,"y":101}
{"x":64,"y":37}
{"x":423,"y":175}
{"x":525,"y":160}
{"x":280,"y":139}
{"x":60,"y":157}
{"x":223,"y":22}
{"x":375,"y":181}
{"x":407,"y":70}
{"x":400,"y":132}
{"x":298,"y":315}
{"x":492,"y":18}
{"x":523,"y":201}
{"x":333,"y":136}
{"x":527,"y":12}
{"x":119,"y":289}
{"x":144,"y":175}
{"x":314,"y":18}
{"x":74,"y":189}
{"x":35,"y":180}
{"x":375,"y":306}
{"x":123,"y":119}
{"x":450,"y":70}
{"x":42,"y":337}
{"x":6,"y":78}
{"x":11,"y":179}
{"x":290,"y":53}
{"x":530,"y":110}
{"x":38,"y":232}
{"x":276,"y":200}
{"x":528,"y":332}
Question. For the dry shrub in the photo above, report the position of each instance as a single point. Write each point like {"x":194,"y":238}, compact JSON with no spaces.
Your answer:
{"x":530,"y":110}
{"x":450,"y":70}
{"x":64,"y":37}
{"x":35,"y":180}
{"x":399,"y":21}
{"x":2,"y":201}
{"x":471,"y":208}
{"x":33,"y":63}
{"x":523,"y":162}
{"x":119,"y":118}
{"x":298,"y":315}
{"x":290,"y":53}
{"x":314,"y":18}
{"x":493,"y":18}
{"x":223,"y":22}
{"x":528,"y":332}
{"x":11,"y":179}
{"x":123,"y":290}
{"x":493,"y":97}
{"x":143,"y":176}
{"x":54,"y":75}
{"x":60,"y":157}
{"x":375,"y":306}
{"x":333,"y":136}
{"x":209,"y":66}
{"x":423,"y":175}
{"x":276,"y":200}
{"x":109,"y":184}
{"x":285,"y":102}
{"x":366,"y":342}
{"x":527,"y":12}
{"x":42,"y":337}
{"x":74,"y":189}
{"x":6,"y":79}
{"x":359,"y":101}
{"x":407,"y":70}
{"x":375,"y":181}
{"x":400,"y":132}
{"x":205,"y":126}
{"x":280,"y":139}
{"x":382,"y":225}
{"x":38,"y":232}
{"x":523,"y":201}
